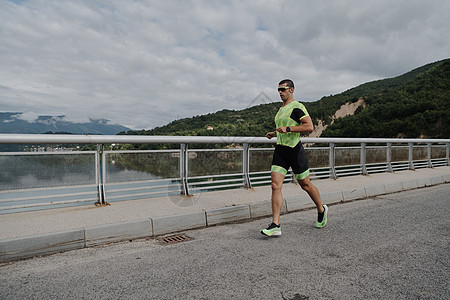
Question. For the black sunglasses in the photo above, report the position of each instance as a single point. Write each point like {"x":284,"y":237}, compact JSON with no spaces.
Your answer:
{"x":282,"y":89}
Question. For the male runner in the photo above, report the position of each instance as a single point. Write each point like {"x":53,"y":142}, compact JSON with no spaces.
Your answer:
{"x":291,"y":119}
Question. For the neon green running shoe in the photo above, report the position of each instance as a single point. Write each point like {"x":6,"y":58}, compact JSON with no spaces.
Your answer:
{"x":321,"y":223}
{"x":272,"y":230}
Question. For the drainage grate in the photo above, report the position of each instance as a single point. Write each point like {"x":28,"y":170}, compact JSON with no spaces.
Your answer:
{"x":172,"y":239}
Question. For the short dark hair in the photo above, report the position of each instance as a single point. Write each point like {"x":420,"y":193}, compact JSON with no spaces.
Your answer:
{"x":289,"y":83}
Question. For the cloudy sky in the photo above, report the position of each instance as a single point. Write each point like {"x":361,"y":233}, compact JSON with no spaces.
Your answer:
{"x":146,"y":63}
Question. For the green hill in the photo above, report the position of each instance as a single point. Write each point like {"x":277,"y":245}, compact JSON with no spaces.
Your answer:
{"x":413,"y":105}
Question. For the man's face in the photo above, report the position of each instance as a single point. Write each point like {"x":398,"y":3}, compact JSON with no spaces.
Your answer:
{"x":284,"y":91}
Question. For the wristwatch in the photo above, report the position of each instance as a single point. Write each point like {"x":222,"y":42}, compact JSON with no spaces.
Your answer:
{"x":288,"y":129}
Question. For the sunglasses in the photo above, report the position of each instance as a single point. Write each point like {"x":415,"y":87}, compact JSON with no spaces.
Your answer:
{"x":282,"y":89}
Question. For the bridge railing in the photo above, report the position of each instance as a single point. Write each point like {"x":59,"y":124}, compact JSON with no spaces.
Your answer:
{"x":48,"y":179}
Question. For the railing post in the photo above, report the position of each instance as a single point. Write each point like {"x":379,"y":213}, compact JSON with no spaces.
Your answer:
{"x":184,"y":169}
{"x":410,"y":156}
{"x":104,"y":176}
{"x":447,"y":153}
{"x":430,"y":164}
{"x":363,"y":159}
{"x":389,"y":157}
{"x":246,"y":165}
{"x":332,"y":161}
{"x":100,"y":170}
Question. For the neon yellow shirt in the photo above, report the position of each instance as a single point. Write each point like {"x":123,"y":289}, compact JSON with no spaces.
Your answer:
{"x":288,"y":116}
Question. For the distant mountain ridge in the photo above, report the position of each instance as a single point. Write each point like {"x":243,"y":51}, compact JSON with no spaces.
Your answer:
{"x":12,"y":122}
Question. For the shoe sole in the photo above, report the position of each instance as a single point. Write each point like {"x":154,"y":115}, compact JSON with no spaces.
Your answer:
{"x":276,"y":233}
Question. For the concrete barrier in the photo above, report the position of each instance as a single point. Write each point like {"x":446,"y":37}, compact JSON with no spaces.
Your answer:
{"x":393,"y":187}
{"x":262,"y":209}
{"x":99,"y":235}
{"x":43,"y":244}
{"x":446,"y":177}
{"x":410,"y":184}
{"x":298,"y":203}
{"x":437,"y":180}
{"x":332,"y":197}
{"x":168,"y":224}
{"x":353,"y":194}
{"x":227,"y":214}
{"x":423,"y":182}
{"x":375,"y":190}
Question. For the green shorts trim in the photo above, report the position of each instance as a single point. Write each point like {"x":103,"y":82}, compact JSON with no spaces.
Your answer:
{"x":283,"y":171}
{"x":278,"y":169}
{"x":302,"y":175}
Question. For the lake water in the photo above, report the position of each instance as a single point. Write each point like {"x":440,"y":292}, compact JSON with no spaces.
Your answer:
{"x":63,"y":177}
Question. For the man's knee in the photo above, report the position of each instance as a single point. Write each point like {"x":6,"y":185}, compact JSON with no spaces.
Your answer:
{"x":277,"y":180}
{"x":305,"y":184}
{"x":277,"y":185}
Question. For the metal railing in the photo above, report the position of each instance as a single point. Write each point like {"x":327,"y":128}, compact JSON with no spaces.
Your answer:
{"x":185,"y":171}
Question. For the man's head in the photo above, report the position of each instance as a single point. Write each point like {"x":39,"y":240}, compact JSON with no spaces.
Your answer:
{"x":286,"y":89}
{"x":287,"y":82}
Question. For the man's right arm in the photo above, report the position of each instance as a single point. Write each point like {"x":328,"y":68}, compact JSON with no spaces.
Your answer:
{"x":271,"y":134}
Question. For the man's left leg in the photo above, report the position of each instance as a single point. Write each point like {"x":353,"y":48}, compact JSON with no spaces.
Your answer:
{"x":314,"y":194}
{"x":312,"y":191}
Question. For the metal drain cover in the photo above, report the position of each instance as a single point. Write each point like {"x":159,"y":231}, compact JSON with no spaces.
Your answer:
{"x":172,"y":239}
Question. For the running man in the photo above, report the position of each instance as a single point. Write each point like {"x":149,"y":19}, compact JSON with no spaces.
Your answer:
{"x":291,"y":119}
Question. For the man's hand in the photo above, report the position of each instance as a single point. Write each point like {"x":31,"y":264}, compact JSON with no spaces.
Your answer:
{"x":282,"y":129}
{"x":271,"y":134}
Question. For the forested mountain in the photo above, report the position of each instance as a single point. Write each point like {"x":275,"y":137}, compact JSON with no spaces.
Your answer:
{"x":413,"y":105}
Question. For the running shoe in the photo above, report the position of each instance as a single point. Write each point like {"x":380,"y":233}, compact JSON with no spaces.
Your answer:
{"x":272,"y":230}
{"x":322,"y":218}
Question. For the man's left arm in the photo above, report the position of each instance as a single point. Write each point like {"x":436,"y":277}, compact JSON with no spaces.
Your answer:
{"x":305,"y":126}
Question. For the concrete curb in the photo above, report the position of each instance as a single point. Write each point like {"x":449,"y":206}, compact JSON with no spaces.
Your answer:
{"x":169,"y":224}
{"x":103,"y":234}
{"x":353,"y":194}
{"x":43,"y":244}
{"x":295,"y":204}
{"x":227,"y":214}
{"x":14,"y":249}
{"x":375,"y":190}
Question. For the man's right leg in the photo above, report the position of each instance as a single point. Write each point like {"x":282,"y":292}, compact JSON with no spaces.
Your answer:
{"x":274,"y":228}
{"x":277,"y":197}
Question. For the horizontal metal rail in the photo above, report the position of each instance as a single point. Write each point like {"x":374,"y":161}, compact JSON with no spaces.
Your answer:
{"x":139,"y":139}
{"x":48,"y":153}
{"x":18,"y":199}
{"x":44,"y":204}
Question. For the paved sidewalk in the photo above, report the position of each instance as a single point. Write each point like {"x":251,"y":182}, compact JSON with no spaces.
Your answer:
{"x":48,"y":231}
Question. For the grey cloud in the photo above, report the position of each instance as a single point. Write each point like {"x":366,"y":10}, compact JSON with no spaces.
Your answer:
{"x":134,"y":63}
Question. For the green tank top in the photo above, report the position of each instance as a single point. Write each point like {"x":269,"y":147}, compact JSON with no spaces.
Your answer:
{"x":288,"y":116}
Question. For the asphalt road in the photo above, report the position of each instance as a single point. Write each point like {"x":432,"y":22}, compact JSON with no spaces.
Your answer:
{"x":389,"y":247}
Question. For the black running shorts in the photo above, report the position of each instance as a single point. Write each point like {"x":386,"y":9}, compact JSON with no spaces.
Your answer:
{"x":286,"y":157}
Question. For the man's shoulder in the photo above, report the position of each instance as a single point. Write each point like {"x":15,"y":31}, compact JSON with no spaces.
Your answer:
{"x":298,"y":104}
